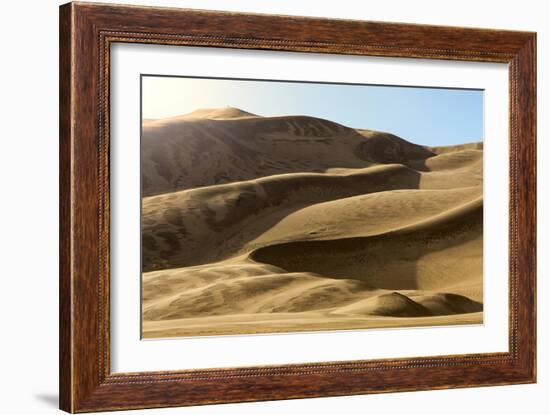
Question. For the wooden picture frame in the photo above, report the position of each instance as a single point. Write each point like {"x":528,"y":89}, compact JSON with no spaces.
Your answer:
{"x":86,"y":33}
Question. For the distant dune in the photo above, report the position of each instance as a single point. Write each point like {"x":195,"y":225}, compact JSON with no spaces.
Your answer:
{"x":458,"y":147}
{"x":218,"y":113}
{"x":256,"y":224}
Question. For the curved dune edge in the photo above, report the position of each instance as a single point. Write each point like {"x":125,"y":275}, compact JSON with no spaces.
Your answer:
{"x":373,"y":258}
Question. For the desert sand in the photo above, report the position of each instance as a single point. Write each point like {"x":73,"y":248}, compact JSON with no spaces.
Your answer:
{"x":277,"y":224}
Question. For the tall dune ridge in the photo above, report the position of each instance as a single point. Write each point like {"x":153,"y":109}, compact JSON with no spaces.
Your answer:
{"x":256,"y":224}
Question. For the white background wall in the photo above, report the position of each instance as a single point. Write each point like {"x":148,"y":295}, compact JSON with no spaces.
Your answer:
{"x":28,"y":205}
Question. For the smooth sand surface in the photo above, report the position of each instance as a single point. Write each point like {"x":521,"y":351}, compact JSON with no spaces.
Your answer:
{"x":259,"y":225}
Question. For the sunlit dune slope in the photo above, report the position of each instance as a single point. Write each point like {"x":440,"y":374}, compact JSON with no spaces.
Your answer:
{"x":210,"y":147}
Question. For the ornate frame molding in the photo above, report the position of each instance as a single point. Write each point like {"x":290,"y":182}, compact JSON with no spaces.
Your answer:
{"x":86,"y":33}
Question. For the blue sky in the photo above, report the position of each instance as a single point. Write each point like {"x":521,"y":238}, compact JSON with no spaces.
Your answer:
{"x":428,"y":116}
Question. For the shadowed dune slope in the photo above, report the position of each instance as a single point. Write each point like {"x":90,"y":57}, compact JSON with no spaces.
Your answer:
{"x":210,"y":147}
{"x":388,"y":148}
{"x":268,"y":224}
{"x":431,"y":254}
{"x":188,"y":152}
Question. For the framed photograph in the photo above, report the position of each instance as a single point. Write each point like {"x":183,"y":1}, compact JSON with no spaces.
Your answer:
{"x":259,"y":207}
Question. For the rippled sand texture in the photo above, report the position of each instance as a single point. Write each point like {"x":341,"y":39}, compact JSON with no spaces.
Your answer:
{"x":256,"y":225}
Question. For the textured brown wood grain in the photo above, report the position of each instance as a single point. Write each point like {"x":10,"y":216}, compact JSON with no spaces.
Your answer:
{"x":86,"y":33}
{"x":65,"y":248}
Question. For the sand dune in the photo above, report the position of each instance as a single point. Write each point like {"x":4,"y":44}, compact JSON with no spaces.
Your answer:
{"x":211,"y":223}
{"x":399,"y":305}
{"x":218,"y":113}
{"x":214,"y":147}
{"x":253,"y":224}
{"x":364,"y":215}
{"x":188,"y":152}
{"x":462,"y":159}
{"x":459,"y":147}
{"x":388,"y":148}
{"x":418,"y":256}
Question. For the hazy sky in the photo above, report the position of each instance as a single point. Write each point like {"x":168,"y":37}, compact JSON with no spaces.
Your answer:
{"x":428,"y":116}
